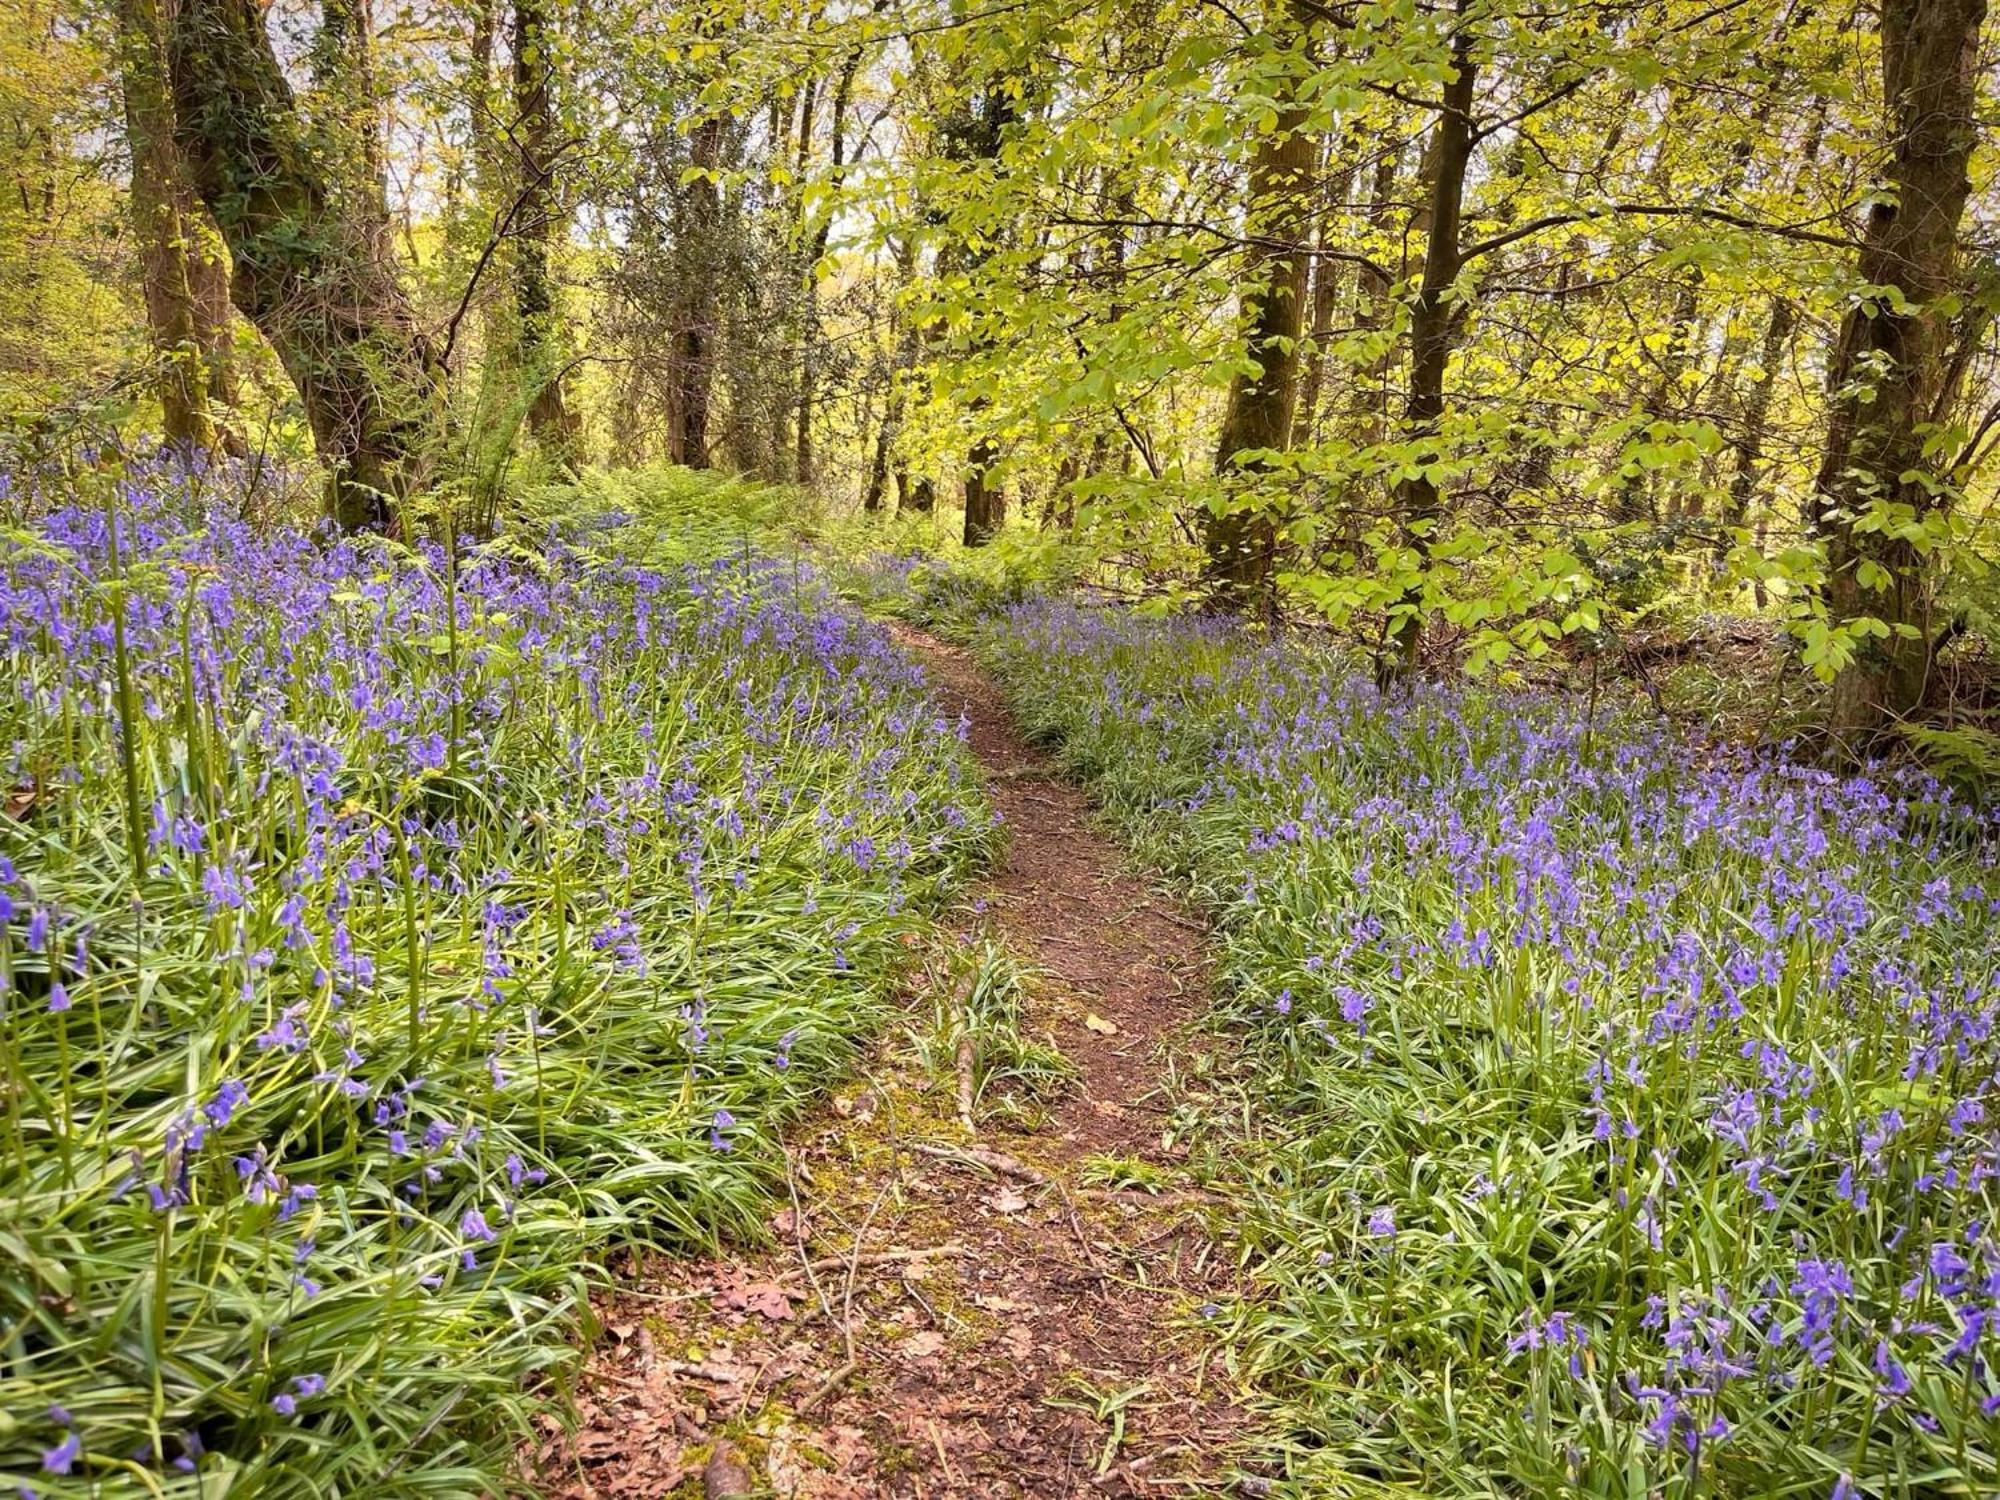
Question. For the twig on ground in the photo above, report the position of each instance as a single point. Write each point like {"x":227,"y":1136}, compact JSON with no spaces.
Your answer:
{"x":888,"y":1257}
{"x":965,"y":1080}
{"x":980,"y":1156}
{"x":828,"y":1386}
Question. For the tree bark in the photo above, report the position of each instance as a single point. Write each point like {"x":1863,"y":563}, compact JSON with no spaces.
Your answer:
{"x":809,"y":332}
{"x":1749,"y":445}
{"x":695,"y":338}
{"x":347,"y":106}
{"x":904,"y":362}
{"x":985,"y":500}
{"x":313,"y":281}
{"x":977,"y":137}
{"x":1889,"y":372}
{"x":183,"y":272}
{"x":1240,"y":545}
{"x":1327,"y":280}
{"x":1434,"y":321}
{"x":541,"y":352}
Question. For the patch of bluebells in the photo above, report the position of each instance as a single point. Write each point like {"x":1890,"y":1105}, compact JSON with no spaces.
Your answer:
{"x":1712,"y":1029}
{"x":354,"y":1064}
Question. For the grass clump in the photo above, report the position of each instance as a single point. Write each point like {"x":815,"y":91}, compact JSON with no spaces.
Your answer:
{"x":384,"y":936}
{"x":1627,"y":1107}
{"x":975,"y":1037}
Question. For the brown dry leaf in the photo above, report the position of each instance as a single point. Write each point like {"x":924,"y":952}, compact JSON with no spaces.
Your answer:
{"x":765,"y":1298}
{"x":803,"y":1463}
{"x":1007,"y":1199}
{"x":769,"y":1300}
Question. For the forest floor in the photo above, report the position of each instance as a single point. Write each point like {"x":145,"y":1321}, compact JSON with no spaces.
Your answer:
{"x":948,"y":1311}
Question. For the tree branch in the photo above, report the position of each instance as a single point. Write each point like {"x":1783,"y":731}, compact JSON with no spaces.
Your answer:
{"x":1657,"y":211}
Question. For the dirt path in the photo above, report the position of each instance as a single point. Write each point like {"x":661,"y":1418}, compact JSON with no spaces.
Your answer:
{"x":993,"y":1312}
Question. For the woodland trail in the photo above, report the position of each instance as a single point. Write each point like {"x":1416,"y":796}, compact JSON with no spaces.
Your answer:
{"x":948,"y":1312}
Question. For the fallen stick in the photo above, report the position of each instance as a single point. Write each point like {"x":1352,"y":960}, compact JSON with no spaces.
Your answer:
{"x":882,"y":1258}
{"x":980,"y":1156}
{"x":828,"y":1386}
{"x":965,"y":1081}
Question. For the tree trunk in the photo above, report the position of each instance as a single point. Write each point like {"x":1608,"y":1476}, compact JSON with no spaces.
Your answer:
{"x":1369,"y":404}
{"x":878,"y":470}
{"x":184,"y":277}
{"x":985,"y":500}
{"x":809,"y":334}
{"x":1239,"y":544}
{"x":1434,"y":324}
{"x":346,"y":105}
{"x":695,"y":338}
{"x":313,"y":282}
{"x":1749,"y":444}
{"x":978,"y":138}
{"x":541,"y":352}
{"x":1889,"y":370}
{"x":905,"y":361}
{"x":1326,"y":284}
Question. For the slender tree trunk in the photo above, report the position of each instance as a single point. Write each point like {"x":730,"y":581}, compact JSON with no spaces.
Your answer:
{"x":1747,"y":449}
{"x":1370,"y":400}
{"x":1327,"y":281}
{"x":542,"y":349}
{"x":346,"y":104}
{"x":878,"y":471}
{"x":904,"y":362}
{"x":184,"y":277}
{"x":1890,"y":368}
{"x":985,"y":499}
{"x":1749,"y":445}
{"x":312,"y":281}
{"x":700,"y":320}
{"x":1434,"y":323}
{"x":1258,"y":417}
{"x":809,"y":337}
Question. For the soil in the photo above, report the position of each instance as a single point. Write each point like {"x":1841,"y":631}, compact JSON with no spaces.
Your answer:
{"x":944,"y":1311}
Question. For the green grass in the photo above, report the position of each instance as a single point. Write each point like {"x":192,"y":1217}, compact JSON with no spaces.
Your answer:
{"x":388,"y":938}
{"x":1616,"y":1115}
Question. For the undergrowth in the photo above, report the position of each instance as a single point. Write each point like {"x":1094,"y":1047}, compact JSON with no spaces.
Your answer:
{"x":1624,"y":1107}
{"x":385,"y":937}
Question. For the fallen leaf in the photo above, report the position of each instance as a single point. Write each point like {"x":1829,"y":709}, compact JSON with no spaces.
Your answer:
{"x":1098,"y":1024}
{"x":769,"y":1300}
{"x":765,"y":1298}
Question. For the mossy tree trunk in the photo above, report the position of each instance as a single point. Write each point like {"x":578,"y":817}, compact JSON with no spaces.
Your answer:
{"x":313,"y":277}
{"x":1241,"y":543}
{"x":541,"y":353}
{"x":183,"y":271}
{"x":1891,"y":371}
